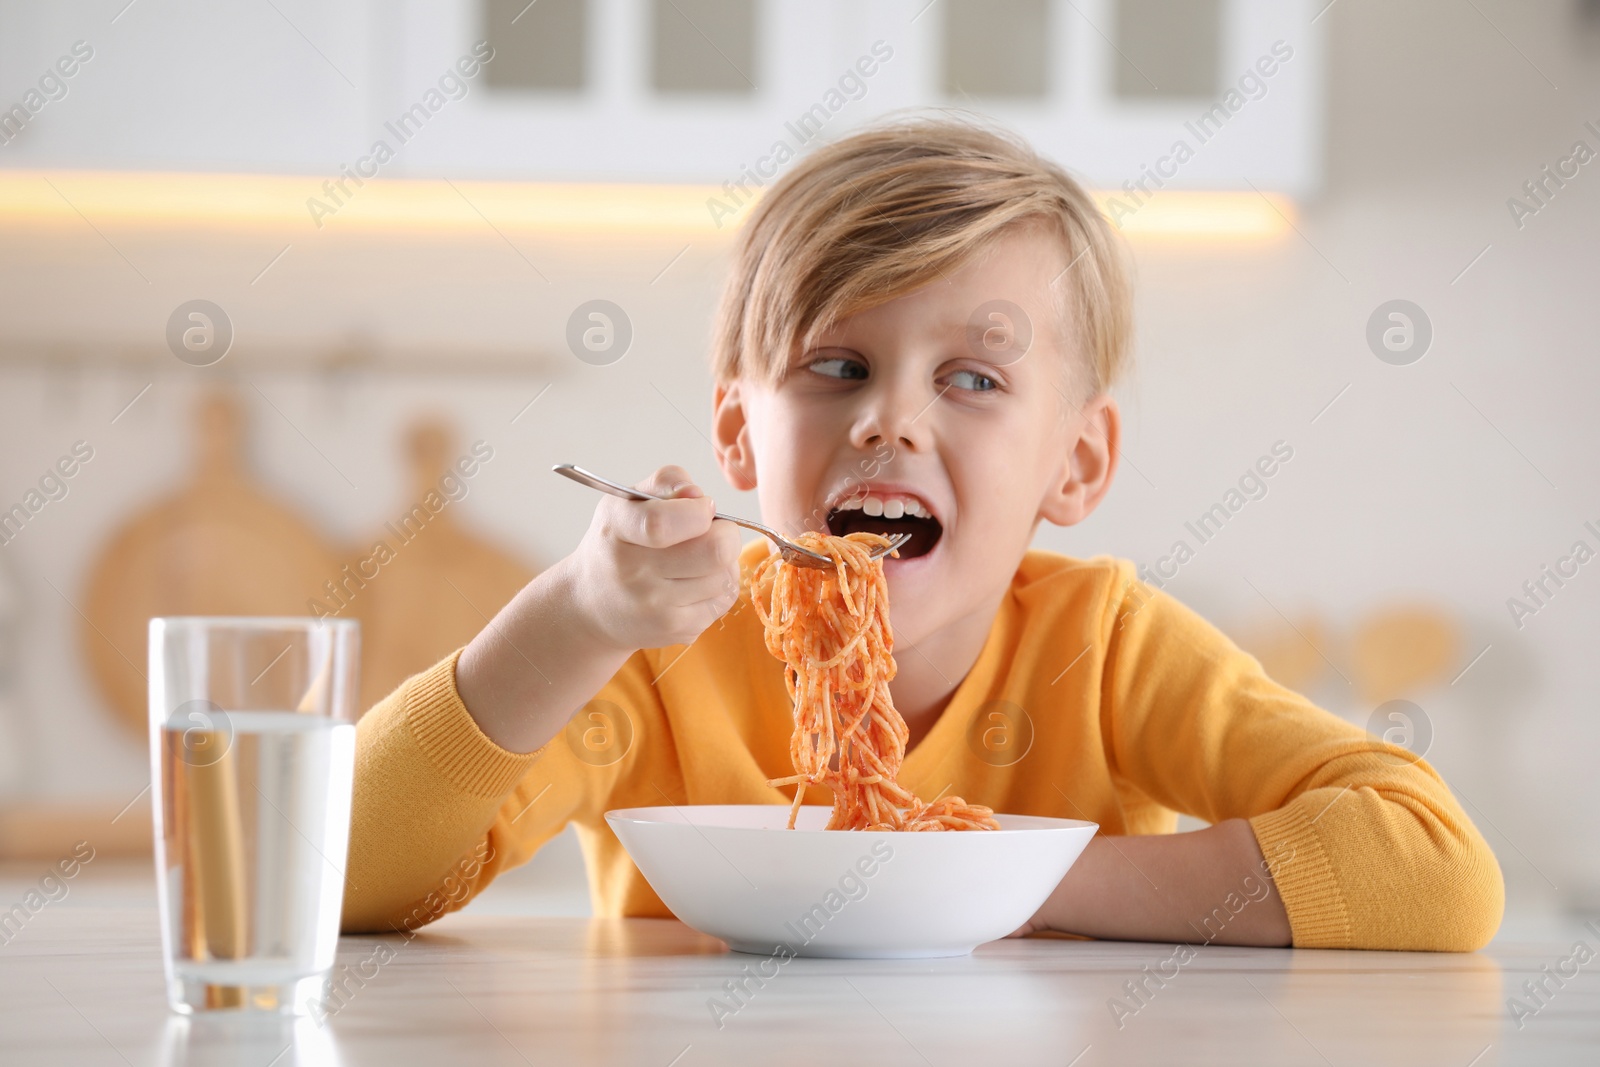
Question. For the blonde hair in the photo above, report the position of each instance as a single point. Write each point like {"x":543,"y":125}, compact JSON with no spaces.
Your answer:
{"x":888,"y":210}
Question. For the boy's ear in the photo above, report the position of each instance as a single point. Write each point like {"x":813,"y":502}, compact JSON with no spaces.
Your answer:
{"x":730,"y":429}
{"x":1089,"y":464}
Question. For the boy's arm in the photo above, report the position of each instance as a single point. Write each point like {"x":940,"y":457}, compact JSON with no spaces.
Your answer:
{"x":438,"y":758}
{"x":440,"y":809}
{"x":425,"y":820}
{"x":1167,"y":887}
{"x":647,"y":574}
{"x":1365,"y":845}
{"x":443,"y":797}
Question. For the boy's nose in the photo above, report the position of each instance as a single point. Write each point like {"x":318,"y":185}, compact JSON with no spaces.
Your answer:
{"x":895,"y":419}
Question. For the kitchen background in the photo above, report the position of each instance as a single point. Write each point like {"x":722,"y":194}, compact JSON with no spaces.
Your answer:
{"x":398,"y":242}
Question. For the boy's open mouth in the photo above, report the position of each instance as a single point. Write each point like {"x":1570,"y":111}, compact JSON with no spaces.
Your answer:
{"x":852,"y":516}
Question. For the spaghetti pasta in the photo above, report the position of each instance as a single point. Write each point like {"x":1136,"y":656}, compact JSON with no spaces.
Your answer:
{"x":831,"y":629}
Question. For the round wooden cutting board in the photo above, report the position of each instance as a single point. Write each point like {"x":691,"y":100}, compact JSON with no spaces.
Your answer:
{"x":218,"y":546}
{"x":439,"y":584}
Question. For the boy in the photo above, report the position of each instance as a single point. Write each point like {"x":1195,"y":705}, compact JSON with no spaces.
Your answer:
{"x":919,"y":333}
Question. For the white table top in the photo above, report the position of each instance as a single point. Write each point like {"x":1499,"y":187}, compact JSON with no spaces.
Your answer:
{"x":81,"y":984}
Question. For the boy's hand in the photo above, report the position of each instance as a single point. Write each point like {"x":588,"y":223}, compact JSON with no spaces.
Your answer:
{"x":656,"y":572}
{"x":648,"y":573}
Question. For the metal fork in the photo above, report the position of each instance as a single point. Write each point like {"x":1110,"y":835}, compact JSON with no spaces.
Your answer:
{"x":792,"y":553}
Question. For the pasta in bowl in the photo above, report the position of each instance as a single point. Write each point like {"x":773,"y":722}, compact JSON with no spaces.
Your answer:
{"x":882,"y":873}
{"x":735,"y":872}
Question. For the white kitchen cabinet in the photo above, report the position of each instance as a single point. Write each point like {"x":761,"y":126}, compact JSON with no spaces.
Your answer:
{"x":1110,"y":87}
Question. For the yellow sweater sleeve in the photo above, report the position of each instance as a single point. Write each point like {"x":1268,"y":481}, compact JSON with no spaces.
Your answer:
{"x":428,"y":787}
{"x":1366,"y":844}
{"x":439,"y":810}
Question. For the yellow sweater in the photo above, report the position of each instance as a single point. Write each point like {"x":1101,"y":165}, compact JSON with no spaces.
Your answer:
{"x":1095,"y":697}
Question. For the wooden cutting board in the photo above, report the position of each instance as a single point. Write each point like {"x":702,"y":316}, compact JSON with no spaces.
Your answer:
{"x":1401,"y":649}
{"x":441,"y":583}
{"x":218,"y":546}
{"x":1393,"y":651}
{"x":1291,"y":654}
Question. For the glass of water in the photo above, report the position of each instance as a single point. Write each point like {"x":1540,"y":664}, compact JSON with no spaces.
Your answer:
{"x":252,"y":751}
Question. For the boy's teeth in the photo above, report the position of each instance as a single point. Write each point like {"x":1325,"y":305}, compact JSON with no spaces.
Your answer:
{"x":888,"y":508}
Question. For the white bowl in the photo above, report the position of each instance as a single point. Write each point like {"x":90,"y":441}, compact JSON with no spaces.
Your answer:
{"x":734,"y":872}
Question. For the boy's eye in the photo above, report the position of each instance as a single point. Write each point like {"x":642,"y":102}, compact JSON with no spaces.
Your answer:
{"x":848,"y":369}
{"x":972,"y":380}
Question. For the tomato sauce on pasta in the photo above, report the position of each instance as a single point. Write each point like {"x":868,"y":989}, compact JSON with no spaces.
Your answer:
{"x":831,"y":629}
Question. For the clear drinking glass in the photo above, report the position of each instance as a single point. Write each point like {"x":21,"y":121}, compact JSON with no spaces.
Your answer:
{"x":252,"y":751}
